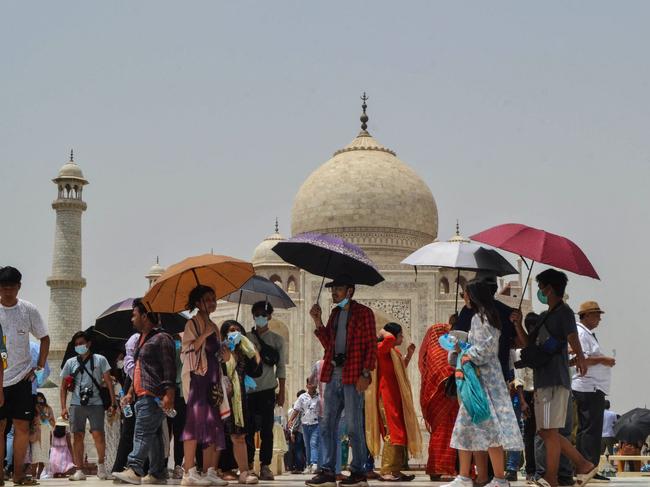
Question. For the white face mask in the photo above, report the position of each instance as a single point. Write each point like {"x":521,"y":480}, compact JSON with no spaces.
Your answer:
{"x":120,"y":364}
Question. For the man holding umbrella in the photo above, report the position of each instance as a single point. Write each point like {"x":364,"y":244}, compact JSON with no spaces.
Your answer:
{"x":350,"y":344}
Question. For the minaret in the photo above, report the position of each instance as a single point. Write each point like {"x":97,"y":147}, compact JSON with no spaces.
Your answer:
{"x":66,"y":281}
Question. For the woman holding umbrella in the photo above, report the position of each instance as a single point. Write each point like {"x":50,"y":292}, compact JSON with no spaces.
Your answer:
{"x":201,"y":352}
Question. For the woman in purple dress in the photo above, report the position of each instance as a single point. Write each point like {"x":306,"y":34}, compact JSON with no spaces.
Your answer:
{"x":201,"y":355}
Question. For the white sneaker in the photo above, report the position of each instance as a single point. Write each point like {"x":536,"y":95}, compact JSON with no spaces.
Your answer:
{"x":193,"y":477}
{"x":151,"y":480}
{"x":101,"y":471}
{"x":313,"y":468}
{"x":458,"y":482}
{"x":128,"y":476}
{"x":214,"y":478}
{"x":78,"y":475}
{"x":495,"y":483}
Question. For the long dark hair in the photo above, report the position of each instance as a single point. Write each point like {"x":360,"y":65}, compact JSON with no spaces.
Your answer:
{"x":225,"y":326}
{"x":59,"y":431}
{"x":196,"y":294}
{"x":481,"y":299}
{"x":40,"y":395}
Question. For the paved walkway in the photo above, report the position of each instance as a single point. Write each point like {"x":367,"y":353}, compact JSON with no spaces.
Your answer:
{"x":299,"y":481}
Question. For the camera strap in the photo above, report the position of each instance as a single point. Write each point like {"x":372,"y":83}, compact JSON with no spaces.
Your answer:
{"x":82,"y":365}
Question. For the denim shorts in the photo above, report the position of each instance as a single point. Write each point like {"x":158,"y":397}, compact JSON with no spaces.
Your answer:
{"x":79,"y":415}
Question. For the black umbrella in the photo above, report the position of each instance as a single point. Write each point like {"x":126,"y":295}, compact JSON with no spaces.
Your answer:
{"x":101,"y":344}
{"x":115,"y":322}
{"x":328,"y":256}
{"x":633,"y":426}
{"x":259,"y":288}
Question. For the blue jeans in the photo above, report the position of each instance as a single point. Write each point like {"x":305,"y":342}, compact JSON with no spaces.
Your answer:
{"x":311,"y":435}
{"x":147,"y":440}
{"x":337,"y":397}
{"x":513,"y":458}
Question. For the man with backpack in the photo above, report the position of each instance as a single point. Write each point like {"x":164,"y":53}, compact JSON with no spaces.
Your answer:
{"x":263,"y":399}
{"x":82,"y":375}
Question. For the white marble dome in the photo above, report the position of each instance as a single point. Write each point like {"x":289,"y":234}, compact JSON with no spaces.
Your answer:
{"x":263,"y":255}
{"x":368,"y":196}
{"x":70,"y":170}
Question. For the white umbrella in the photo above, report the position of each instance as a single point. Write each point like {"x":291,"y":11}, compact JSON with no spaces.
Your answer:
{"x":461,"y":254}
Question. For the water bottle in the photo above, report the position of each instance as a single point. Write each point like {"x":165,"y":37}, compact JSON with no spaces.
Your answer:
{"x":171,"y":413}
{"x":126,"y":409}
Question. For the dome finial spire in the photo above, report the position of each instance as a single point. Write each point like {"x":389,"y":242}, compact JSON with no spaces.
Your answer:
{"x":457,"y":227}
{"x":71,"y":155}
{"x":157,"y":259}
{"x":364,"y":116}
{"x":277,"y":225}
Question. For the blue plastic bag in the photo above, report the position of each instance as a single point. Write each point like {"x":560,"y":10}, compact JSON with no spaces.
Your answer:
{"x":470,"y":391}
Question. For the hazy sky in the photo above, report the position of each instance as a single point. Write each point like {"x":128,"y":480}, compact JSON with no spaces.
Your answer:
{"x":196,"y":122}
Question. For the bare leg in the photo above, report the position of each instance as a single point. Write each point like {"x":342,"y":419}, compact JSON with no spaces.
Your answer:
{"x":581,"y":464}
{"x":39,"y":470}
{"x":240,"y":452}
{"x":481,"y":462}
{"x":551,"y":439}
{"x":497,"y":457}
{"x":210,"y":458}
{"x":78,"y":449}
{"x":100,"y":445}
{"x":21,"y":440}
{"x":189,"y":451}
{"x":465,"y":461}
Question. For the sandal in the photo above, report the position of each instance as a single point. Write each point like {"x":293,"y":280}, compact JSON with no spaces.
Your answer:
{"x":26,"y":481}
{"x":389,"y":478}
{"x":584,"y":478}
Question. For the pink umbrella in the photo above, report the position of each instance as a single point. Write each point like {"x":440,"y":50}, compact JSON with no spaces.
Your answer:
{"x":538,"y":245}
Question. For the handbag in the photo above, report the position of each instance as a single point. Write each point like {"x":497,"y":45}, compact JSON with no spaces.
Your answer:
{"x":270,"y":356}
{"x":216,"y":395}
{"x":537,"y":355}
{"x":450,"y":386}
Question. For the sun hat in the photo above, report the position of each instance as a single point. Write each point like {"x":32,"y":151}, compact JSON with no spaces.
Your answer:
{"x":61,"y":422}
{"x":589,"y":307}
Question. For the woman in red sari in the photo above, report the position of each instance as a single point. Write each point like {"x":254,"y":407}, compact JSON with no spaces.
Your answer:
{"x":438,"y":410}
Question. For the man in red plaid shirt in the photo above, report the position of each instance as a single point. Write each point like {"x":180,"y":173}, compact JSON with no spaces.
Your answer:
{"x":350,"y":343}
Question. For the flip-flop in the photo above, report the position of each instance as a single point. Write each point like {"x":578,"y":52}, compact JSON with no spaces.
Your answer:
{"x":584,"y":478}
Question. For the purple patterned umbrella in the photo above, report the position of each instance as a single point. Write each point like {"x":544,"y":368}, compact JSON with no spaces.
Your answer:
{"x":328,"y":256}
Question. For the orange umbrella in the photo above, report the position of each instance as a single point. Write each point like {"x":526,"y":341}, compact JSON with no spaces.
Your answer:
{"x":172,"y":289}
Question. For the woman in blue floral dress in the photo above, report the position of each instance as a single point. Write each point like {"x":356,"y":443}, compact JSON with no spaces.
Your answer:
{"x":500,"y":432}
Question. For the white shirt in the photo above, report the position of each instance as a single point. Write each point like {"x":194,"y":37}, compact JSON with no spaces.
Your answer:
{"x":599,"y":376}
{"x":309,"y":407}
{"x":18,"y":322}
{"x":609,"y":418}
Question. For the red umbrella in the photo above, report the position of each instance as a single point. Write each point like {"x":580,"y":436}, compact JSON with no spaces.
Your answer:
{"x":538,"y":245}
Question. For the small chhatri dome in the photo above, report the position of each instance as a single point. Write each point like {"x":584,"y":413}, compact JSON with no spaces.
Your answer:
{"x":70,"y":170}
{"x":458,"y":237}
{"x":368,"y":196}
{"x":263,"y":254}
{"x":156,"y":270}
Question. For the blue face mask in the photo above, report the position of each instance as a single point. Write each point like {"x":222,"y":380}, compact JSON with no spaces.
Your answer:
{"x":80,"y":349}
{"x":261,"y":321}
{"x":177,"y":344}
{"x":542,"y":297}
{"x":341,"y":304}
{"x":234,"y":337}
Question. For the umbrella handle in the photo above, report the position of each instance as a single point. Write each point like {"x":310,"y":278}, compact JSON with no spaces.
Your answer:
{"x":238,"y":305}
{"x":523,"y":290}
{"x":457,"y":286}
{"x":329,"y":257}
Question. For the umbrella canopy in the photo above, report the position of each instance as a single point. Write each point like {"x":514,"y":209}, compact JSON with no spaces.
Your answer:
{"x":259,"y":288}
{"x":115,"y":322}
{"x":172,"y":289}
{"x":328,"y":256}
{"x":101,"y":344}
{"x":538,"y":245}
{"x":633,"y":426}
{"x":460,"y":255}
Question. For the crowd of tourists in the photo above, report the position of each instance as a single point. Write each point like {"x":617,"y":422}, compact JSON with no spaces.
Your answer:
{"x":212,"y":392}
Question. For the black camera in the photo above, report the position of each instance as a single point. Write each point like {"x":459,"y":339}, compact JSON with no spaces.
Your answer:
{"x":339,"y":360}
{"x":84,"y":395}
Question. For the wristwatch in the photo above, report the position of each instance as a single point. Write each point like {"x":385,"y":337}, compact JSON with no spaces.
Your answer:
{"x":365,"y":374}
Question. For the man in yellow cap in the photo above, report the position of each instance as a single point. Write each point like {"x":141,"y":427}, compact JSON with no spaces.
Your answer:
{"x":589,"y":390}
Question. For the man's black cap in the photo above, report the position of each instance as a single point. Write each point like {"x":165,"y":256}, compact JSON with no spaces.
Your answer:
{"x":341,"y":280}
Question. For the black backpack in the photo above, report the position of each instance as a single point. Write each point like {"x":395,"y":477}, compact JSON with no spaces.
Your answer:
{"x":270,"y":356}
